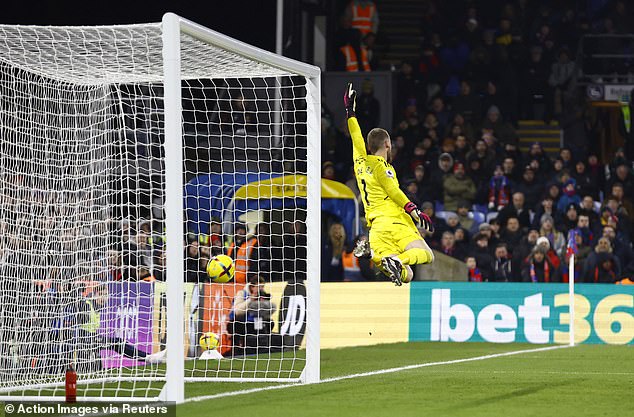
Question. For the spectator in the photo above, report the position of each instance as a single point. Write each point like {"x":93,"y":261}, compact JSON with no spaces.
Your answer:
{"x":593,"y":263}
{"x":474,"y":274}
{"x":605,"y":271}
{"x":550,"y":253}
{"x":622,"y":250}
{"x":448,"y":246}
{"x":511,"y":234}
{"x":453,"y":222}
{"x":482,"y":255}
{"x":586,"y":186}
{"x":583,"y":227}
{"x":331,"y":253}
{"x":458,"y":186}
{"x":546,"y":207}
{"x":467,"y":103}
{"x":502,"y":266}
{"x":560,"y":76}
{"x":462,"y":148}
{"x":502,"y":130}
{"x":535,"y":84}
{"x":486,"y":156}
{"x":499,"y":190}
{"x":523,"y":250}
{"x":193,"y":271}
{"x":487,"y":230}
{"x":294,"y":252}
{"x":438,"y":176}
{"x":466,"y":221}
{"x":516,"y":209}
{"x":556,"y":239}
{"x":543,"y":165}
{"x":328,"y":171}
{"x":246,"y":254}
{"x":461,"y":237}
{"x":423,"y":181}
{"x":587,"y":208}
{"x":618,"y":192}
{"x":569,"y":196}
{"x":531,"y":188}
{"x":250,"y":315}
{"x":570,"y":219}
{"x":538,"y":268}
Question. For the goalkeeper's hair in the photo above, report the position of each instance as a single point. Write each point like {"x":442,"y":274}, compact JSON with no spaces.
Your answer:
{"x":376,"y":139}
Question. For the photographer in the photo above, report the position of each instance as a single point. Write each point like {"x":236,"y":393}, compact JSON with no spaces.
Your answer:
{"x":250,"y":315}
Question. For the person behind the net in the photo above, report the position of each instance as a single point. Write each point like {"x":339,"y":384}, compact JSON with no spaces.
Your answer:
{"x":395,"y":242}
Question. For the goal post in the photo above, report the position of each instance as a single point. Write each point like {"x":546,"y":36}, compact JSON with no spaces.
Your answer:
{"x":130,"y":156}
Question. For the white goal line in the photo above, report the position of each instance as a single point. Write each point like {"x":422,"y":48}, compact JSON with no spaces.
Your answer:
{"x":372,"y":373}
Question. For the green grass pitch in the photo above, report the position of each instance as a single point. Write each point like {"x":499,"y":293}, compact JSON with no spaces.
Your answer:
{"x":587,"y":380}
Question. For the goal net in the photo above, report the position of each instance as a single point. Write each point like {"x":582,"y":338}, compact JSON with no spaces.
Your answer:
{"x":130,"y":156}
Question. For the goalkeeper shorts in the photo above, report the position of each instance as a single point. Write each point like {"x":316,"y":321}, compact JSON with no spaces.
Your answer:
{"x":391,"y":235}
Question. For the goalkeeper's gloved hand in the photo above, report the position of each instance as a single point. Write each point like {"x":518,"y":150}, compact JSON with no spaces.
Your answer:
{"x":421,"y":220}
{"x":350,"y":101}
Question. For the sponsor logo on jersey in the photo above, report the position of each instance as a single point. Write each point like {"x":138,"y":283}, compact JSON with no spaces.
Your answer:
{"x":389,"y":173}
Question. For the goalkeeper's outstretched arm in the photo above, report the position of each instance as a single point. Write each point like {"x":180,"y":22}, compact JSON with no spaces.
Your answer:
{"x":358,"y":144}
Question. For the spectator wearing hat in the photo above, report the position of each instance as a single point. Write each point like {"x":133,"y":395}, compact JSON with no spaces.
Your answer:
{"x":481,"y":252}
{"x":622,"y":250}
{"x":538,"y":267}
{"x":555,"y":238}
{"x":439,"y":174}
{"x":594,"y":271}
{"x":486,"y":229}
{"x":586,"y":185}
{"x":554,"y":258}
{"x":453,"y":221}
{"x":425,"y":189}
{"x":517,"y":209}
{"x":458,"y":186}
{"x":531,"y":188}
{"x":570,"y":218}
{"x":569,"y":196}
{"x":495,"y":123}
{"x":469,"y":223}
{"x":499,"y":190}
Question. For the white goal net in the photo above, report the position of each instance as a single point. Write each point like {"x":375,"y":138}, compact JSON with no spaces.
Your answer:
{"x":93,"y":231}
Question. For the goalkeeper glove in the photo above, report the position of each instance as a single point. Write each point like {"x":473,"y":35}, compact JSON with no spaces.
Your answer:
{"x":350,"y":101}
{"x":421,"y":220}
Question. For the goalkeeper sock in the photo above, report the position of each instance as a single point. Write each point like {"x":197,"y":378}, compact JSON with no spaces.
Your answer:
{"x":415,"y":256}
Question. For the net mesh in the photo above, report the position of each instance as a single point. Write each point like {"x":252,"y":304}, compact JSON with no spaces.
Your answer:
{"x":82,"y":223}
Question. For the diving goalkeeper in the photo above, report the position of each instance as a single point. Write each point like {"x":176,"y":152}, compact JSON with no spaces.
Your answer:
{"x":395,"y":242}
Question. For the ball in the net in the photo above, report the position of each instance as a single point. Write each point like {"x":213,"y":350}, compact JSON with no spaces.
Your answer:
{"x":209,"y":341}
{"x":221,"y":269}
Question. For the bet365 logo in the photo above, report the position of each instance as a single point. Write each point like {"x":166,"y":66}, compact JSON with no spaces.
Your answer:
{"x":610,"y":321}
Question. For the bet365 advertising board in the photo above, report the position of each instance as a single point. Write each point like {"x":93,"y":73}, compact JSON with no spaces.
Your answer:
{"x":520,"y":312}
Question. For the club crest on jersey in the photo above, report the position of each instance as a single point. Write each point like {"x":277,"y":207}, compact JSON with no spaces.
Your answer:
{"x":389,"y":173}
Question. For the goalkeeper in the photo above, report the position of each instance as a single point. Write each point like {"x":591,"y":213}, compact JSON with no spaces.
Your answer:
{"x":395,"y":242}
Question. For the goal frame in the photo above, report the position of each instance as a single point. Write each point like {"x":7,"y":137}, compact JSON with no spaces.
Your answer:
{"x":172,"y":27}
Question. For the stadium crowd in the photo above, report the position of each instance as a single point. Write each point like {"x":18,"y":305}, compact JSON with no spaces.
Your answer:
{"x":511,"y":215}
